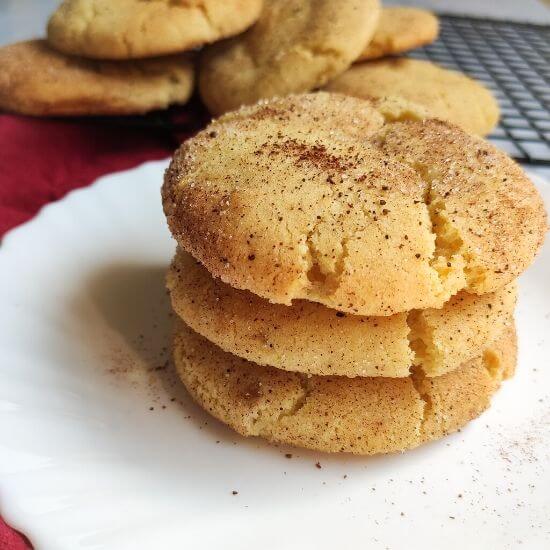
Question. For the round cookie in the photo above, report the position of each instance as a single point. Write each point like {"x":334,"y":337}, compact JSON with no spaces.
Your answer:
{"x":401,"y":29}
{"x":296,"y":46}
{"x":131,"y":29}
{"x":285,"y":200}
{"x":36,"y":80}
{"x":447,"y":94}
{"x":313,"y":339}
{"x":334,"y":413}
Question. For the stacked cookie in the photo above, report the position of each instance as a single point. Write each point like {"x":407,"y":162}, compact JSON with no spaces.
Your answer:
{"x":345,"y":277}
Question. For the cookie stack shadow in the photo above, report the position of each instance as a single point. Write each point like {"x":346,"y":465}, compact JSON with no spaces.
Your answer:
{"x":345,"y":272}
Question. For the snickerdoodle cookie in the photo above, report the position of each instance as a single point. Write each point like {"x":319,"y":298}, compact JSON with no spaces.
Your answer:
{"x":285,"y":200}
{"x":313,"y":339}
{"x":446,"y":94}
{"x":296,"y":46}
{"x":401,"y":28}
{"x":336,"y":413}
{"x":36,"y":80}
{"x":129,"y":29}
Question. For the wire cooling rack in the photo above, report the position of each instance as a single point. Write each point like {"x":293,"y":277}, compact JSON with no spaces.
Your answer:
{"x":513,"y":60}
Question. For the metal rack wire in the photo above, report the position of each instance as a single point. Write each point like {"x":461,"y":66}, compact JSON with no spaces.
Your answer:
{"x":513,"y":60}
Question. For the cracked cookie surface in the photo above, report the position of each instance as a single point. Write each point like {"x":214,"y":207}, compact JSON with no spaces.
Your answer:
{"x":326,"y":198}
{"x":130,"y":29}
{"x":311,"y":338}
{"x":334,"y":413}
{"x":400,"y":29}
{"x":446,"y":94}
{"x":36,"y":80}
{"x":296,"y":46}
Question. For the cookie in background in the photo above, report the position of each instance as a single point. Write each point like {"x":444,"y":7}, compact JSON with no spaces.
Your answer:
{"x":447,"y":95}
{"x":131,"y":29}
{"x":399,"y":30}
{"x":296,"y":46}
{"x":37,"y":80}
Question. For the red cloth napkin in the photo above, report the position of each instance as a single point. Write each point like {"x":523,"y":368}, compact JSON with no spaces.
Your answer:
{"x":11,"y":539}
{"x":42,"y":159}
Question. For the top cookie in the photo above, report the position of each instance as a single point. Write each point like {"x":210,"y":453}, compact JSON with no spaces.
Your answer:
{"x":288,"y":200}
{"x":401,"y":29}
{"x":128,"y":29}
{"x":296,"y":46}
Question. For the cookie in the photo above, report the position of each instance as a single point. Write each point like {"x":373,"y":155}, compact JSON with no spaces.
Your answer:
{"x":36,"y":80}
{"x":296,"y":46}
{"x":335,"y":413}
{"x":447,"y":94}
{"x":133,"y":29}
{"x":287,"y":201}
{"x":401,"y":29}
{"x":313,"y":339}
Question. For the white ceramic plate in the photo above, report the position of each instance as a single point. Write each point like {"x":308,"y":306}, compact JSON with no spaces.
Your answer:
{"x":101,"y":449}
